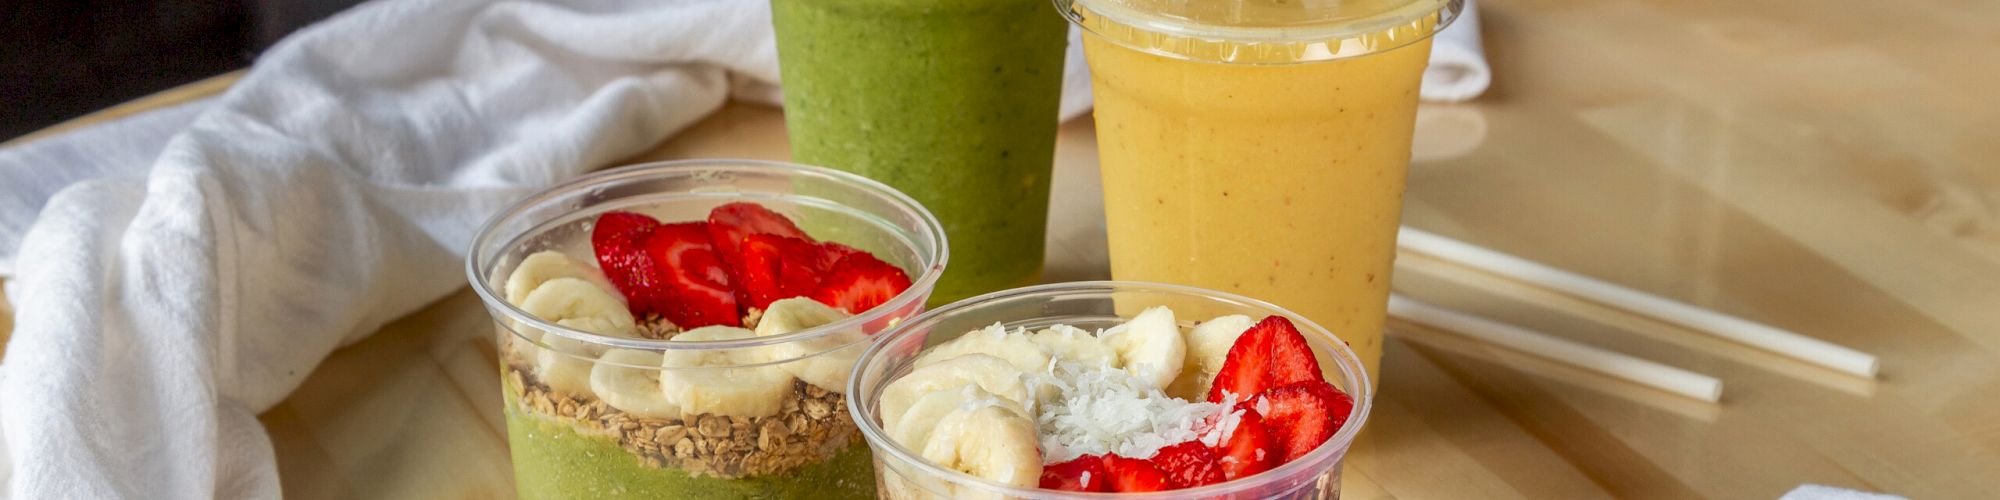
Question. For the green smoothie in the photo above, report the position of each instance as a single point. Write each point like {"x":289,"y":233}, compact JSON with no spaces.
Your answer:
{"x":555,"y":461}
{"x":952,"y":102}
{"x":559,"y":458}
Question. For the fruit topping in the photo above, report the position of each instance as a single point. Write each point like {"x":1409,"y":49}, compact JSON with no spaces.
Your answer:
{"x":1270,"y":354}
{"x":1301,"y":416}
{"x":776,"y":267}
{"x":731,"y":382}
{"x":1092,"y":414}
{"x":1132,"y":475}
{"x":699,"y":289}
{"x":1249,"y":449}
{"x":1149,"y":346}
{"x":619,"y":239}
{"x":743,"y":257}
{"x":860,"y":282}
{"x":1189,"y":465}
{"x":729,"y":224}
{"x":992,"y":441}
{"x":1085,"y":473}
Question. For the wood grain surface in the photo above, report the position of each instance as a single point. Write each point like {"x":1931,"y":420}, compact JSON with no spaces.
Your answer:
{"x":1827,"y":168}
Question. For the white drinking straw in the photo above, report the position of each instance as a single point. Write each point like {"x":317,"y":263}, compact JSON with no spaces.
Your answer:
{"x":1808,"y":349}
{"x":1639,"y":371}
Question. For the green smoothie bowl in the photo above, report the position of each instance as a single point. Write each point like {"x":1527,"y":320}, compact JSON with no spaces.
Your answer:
{"x":686,"y":329}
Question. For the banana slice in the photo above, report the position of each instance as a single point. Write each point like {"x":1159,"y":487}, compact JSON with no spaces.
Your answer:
{"x":540,"y":267}
{"x":995,"y":341}
{"x":717,"y":382}
{"x":580,"y":304}
{"x":560,"y":366}
{"x":1207,"y":346}
{"x":992,"y":441}
{"x":563,"y":363}
{"x":1075,"y":344}
{"x":1149,"y":346}
{"x":823,"y":361}
{"x":636,"y":391}
{"x":914,"y":429}
{"x":990,"y":373}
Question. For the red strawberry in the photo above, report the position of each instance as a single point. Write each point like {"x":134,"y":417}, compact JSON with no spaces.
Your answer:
{"x":1132,"y":474}
{"x":830,"y":253}
{"x":619,"y":239}
{"x":729,"y":224}
{"x":1189,"y":464}
{"x":1085,"y":473}
{"x":860,"y":282}
{"x":1302,"y":416}
{"x":700,"y":288}
{"x":776,"y":267}
{"x":1250,"y":448}
{"x":820,"y":258}
{"x":1270,"y":354}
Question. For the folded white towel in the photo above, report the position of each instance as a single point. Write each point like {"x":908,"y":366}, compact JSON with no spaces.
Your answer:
{"x":170,"y":289}
{"x":1458,"y":70}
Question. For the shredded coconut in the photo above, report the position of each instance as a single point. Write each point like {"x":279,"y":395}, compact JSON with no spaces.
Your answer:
{"x":1224,"y":426}
{"x":1098,"y":409}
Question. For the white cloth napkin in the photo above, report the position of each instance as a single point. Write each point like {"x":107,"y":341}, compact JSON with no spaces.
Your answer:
{"x":1458,"y":70}
{"x":188,"y":268}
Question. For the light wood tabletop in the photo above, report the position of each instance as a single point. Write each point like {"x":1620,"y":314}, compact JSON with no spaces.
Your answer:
{"x":1827,"y":168}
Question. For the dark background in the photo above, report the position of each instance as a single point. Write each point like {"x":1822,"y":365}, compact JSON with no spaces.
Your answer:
{"x":60,"y":59}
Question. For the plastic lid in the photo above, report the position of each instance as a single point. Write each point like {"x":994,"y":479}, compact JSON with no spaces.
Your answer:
{"x":1261,"y":31}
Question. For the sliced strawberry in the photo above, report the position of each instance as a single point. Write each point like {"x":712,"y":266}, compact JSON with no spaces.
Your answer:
{"x":830,"y":254}
{"x":1302,"y":416}
{"x":729,"y":224}
{"x":700,"y":288}
{"x":1250,"y":448}
{"x":1189,"y":464}
{"x":1085,"y":473}
{"x":1270,"y":354}
{"x":619,"y":240}
{"x":777,"y":267}
{"x":860,"y":282}
{"x":1132,"y":474}
{"x":820,"y":258}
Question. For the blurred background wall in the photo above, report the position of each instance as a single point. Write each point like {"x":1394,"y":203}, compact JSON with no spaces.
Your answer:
{"x":60,"y":59}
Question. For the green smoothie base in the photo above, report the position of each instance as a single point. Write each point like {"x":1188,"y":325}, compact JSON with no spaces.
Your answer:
{"x":552,"y":460}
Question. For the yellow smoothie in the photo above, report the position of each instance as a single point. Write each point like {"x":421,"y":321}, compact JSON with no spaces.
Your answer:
{"x":1269,"y":169}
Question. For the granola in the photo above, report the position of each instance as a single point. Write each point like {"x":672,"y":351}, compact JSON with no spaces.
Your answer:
{"x":812,"y":426}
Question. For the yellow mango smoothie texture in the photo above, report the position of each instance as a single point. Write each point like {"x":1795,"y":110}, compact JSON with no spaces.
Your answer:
{"x":1278,"y":181}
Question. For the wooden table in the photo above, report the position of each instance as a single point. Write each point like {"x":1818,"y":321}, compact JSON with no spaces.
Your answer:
{"x":1829,"y":168}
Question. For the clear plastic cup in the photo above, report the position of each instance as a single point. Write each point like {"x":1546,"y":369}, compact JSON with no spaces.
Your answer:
{"x":752,"y":417}
{"x":954,"y":102}
{"x":1260,"y":146}
{"x":901,"y":473}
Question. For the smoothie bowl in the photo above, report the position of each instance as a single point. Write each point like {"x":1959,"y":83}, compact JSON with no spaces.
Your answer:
{"x":686,"y":329}
{"x":1109,"y":389}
